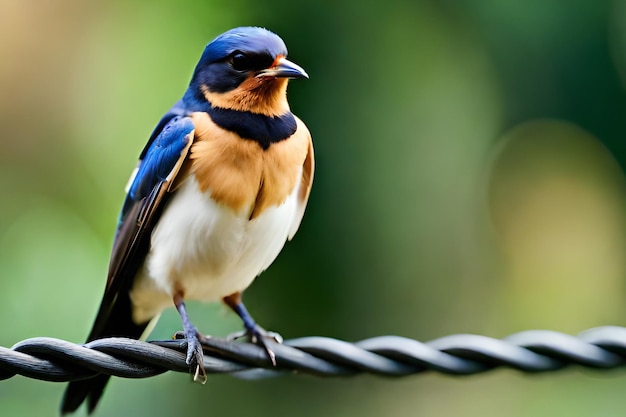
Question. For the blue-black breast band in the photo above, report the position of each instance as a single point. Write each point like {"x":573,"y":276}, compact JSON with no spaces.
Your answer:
{"x":253,"y":126}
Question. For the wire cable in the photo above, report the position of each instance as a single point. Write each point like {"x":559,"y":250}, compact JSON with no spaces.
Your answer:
{"x":530,"y":351}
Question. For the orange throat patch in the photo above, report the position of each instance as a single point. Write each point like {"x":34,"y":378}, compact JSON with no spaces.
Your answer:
{"x":267,"y":96}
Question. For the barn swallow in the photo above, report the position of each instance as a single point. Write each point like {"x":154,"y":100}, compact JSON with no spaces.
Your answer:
{"x":219,"y":188}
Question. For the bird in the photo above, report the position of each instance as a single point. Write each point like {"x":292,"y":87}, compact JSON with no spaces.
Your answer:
{"x":220,"y":186}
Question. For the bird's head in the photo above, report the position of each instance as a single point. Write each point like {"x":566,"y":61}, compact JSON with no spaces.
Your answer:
{"x":245,"y":69}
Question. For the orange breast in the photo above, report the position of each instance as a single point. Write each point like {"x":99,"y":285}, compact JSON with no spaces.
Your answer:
{"x":238,"y":173}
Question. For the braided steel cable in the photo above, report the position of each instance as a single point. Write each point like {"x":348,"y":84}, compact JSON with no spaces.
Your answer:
{"x":462,"y":354}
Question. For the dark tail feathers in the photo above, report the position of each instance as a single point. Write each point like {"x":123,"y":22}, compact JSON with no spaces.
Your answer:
{"x":118,"y":323}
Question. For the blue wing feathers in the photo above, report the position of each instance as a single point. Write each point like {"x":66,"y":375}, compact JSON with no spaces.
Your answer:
{"x":177,"y":109}
{"x":160,"y":158}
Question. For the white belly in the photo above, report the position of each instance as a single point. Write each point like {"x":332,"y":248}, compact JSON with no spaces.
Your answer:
{"x":206,"y":250}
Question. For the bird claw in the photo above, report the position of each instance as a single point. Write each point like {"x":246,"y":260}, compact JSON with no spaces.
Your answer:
{"x":259,"y":336}
{"x":199,"y":375}
{"x":195,"y":356}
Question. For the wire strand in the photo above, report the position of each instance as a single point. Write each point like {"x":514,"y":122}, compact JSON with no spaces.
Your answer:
{"x":531,"y":351}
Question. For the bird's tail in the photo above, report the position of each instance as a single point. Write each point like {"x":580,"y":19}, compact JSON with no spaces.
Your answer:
{"x":110,"y":322}
{"x":79,"y":391}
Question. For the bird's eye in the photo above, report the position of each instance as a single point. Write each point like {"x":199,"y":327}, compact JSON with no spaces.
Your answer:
{"x":240,"y":61}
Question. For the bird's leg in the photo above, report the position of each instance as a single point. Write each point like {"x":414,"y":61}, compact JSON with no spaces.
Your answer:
{"x":195,"y":355}
{"x":255,"y":332}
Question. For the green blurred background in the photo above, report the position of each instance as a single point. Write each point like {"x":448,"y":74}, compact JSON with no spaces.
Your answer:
{"x":469,"y":178}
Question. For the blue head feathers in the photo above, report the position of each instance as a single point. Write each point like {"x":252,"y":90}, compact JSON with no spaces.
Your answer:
{"x":233,"y":55}
{"x":253,"y":40}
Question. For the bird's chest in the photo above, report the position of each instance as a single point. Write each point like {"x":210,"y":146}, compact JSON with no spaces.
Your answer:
{"x":205,"y":247}
{"x":237,"y":173}
{"x":229,"y":218}
{"x":207,"y":251}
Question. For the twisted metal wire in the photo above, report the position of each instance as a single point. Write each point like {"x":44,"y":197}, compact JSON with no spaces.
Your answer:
{"x":462,"y":354}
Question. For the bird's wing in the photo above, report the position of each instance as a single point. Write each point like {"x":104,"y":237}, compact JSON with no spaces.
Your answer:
{"x":308,"y":169}
{"x":147,"y":192}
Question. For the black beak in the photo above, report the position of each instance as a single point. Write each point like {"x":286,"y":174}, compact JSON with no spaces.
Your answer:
{"x":283,"y":68}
